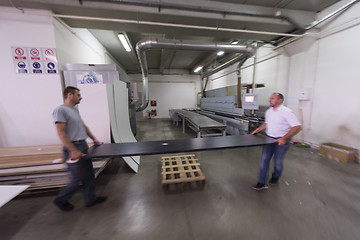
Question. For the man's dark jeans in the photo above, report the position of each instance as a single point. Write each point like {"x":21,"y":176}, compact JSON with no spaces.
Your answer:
{"x":81,"y":172}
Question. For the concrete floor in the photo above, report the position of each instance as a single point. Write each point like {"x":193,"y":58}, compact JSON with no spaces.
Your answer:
{"x":316,"y":199}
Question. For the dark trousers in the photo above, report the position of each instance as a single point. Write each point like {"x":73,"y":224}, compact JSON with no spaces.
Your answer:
{"x":81,"y":172}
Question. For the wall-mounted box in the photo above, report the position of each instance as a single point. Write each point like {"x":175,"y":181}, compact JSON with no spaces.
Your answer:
{"x":304,"y":94}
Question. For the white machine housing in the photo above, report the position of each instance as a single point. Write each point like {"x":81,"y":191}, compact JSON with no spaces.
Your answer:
{"x":229,"y":104}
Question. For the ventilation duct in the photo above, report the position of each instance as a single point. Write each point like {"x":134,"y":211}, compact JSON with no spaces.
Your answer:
{"x":147,"y":44}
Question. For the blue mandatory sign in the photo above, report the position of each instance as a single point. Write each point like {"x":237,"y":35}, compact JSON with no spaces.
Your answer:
{"x":21,"y":65}
{"x":51,"y":65}
{"x":36,"y":65}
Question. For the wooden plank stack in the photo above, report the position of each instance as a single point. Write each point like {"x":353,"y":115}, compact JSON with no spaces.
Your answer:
{"x":41,"y":167}
{"x":181,"y":169}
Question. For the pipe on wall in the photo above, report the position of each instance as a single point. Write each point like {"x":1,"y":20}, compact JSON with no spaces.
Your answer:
{"x":147,"y":44}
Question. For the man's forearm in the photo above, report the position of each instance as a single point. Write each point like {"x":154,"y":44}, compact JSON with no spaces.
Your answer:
{"x":61,"y":131}
{"x":74,"y":152}
{"x":88,"y":132}
{"x":292,"y":132}
{"x":67,"y":143}
{"x":259,"y":129}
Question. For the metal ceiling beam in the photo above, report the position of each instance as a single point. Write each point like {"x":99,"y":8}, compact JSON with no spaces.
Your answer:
{"x":163,"y":24}
{"x":339,"y":10}
{"x":207,"y":9}
{"x":240,"y":58}
{"x":173,"y":54}
{"x":66,"y":9}
{"x":285,"y":40}
{"x":163,"y":59}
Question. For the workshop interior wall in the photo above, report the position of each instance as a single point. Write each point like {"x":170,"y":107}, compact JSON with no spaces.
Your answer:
{"x":170,"y":92}
{"x":26,"y":100}
{"x":323,"y":66}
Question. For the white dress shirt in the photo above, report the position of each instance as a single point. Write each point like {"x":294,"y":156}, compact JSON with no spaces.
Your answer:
{"x":280,"y":121}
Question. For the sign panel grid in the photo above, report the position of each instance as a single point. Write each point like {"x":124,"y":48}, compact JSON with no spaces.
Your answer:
{"x":35,"y":60}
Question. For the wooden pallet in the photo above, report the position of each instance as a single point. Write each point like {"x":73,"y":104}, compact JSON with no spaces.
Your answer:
{"x":181,"y":169}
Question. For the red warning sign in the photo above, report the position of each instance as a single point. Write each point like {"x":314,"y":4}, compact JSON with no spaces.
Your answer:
{"x":19,"y":53}
{"x":49,"y":54}
{"x":34,"y":54}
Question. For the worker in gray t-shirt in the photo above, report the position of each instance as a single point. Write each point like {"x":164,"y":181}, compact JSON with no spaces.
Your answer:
{"x":73,"y":134}
{"x":75,"y":129}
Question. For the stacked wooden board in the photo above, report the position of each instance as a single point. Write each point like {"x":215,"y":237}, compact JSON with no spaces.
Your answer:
{"x":41,"y":167}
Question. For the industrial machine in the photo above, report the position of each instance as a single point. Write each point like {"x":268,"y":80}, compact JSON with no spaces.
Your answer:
{"x":226,"y":110}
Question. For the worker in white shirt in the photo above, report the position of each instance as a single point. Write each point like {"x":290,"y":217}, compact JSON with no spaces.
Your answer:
{"x":280,"y":124}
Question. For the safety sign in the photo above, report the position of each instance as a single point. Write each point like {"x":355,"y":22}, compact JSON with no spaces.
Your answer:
{"x":51,"y":67}
{"x":49,"y":54}
{"x":36,"y":67}
{"x":34,"y":54}
{"x":19,"y":53}
{"x":35,"y":60}
{"x":21,"y":66}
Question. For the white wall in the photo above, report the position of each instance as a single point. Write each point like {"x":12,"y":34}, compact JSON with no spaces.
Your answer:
{"x":170,"y":92}
{"x":76,"y":45}
{"x":327,"y":64}
{"x":26,"y":100}
{"x":329,"y":67}
{"x":336,"y":96}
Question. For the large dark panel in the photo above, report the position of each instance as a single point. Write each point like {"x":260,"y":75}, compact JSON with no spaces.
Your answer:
{"x":176,"y":146}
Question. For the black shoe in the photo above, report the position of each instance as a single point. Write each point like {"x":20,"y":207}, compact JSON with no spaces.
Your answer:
{"x":64,"y":206}
{"x":260,"y":186}
{"x":274,"y":180}
{"x":97,"y":201}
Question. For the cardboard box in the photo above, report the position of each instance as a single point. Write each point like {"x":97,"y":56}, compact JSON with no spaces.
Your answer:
{"x":338,"y":152}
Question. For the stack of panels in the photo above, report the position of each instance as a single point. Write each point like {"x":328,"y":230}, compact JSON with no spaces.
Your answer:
{"x":40,"y":167}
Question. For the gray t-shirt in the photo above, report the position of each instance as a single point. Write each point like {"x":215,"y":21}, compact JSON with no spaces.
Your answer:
{"x":75,"y":129}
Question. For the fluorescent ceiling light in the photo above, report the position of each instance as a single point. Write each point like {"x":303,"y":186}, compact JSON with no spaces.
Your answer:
{"x":124,"y":42}
{"x":235,"y":42}
{"x":198,"y":69}
{"x":220,"y":53}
